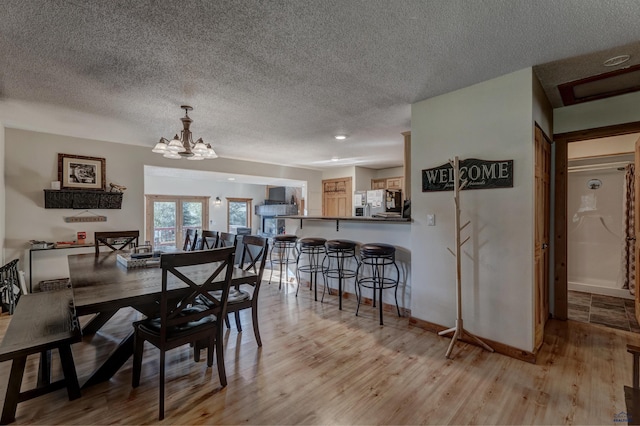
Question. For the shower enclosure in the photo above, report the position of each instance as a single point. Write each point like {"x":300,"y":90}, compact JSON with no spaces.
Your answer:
{"x":596,"y":237}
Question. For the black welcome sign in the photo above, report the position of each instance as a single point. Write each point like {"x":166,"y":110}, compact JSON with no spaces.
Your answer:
{"x":479,"y":174}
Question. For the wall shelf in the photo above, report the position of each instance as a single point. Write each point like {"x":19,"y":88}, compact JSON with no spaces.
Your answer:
{"x":78,"y":199}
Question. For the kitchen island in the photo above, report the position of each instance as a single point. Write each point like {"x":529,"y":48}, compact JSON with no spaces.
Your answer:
{"x":395,"y":231}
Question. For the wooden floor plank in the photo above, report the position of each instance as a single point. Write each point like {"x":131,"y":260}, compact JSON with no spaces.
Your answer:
{"x":320,"y":365}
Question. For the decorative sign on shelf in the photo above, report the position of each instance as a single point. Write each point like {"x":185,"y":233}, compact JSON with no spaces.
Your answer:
{"x":479,"y":174}
{"x":74,"y":219}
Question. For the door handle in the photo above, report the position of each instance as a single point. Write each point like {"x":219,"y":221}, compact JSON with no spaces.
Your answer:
{"x":544,"y":246}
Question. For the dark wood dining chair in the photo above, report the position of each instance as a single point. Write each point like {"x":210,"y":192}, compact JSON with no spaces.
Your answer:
{"x":209,"y":240}
{"x":115,"y":240}
{"x":245,"y":295}
{"x":226,"y":239}
{"x":190,"y":240}
{"x":182,"y":320}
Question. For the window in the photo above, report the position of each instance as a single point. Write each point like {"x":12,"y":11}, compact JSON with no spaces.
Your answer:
{"x":238,"y":213}
{"x":169,"y":216}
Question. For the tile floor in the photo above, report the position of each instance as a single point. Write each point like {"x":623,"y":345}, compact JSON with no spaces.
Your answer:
{"x":604,"y":310}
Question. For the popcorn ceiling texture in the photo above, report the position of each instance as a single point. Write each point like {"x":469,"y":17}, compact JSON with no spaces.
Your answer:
{"x":274,"y":80}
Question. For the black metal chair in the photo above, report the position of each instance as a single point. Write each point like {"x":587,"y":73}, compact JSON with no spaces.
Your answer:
{"x":340,"y":263}
{"x":309,"y":261}
{"x":115,"y":240}
{"x":285,"y":251}
{"x":378,"y":257}
{"x":182,"y":320}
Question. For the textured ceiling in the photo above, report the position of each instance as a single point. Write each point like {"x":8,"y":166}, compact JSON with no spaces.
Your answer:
{"x":274,"y":81}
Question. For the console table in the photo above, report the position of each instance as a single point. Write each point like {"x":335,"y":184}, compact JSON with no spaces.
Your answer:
{"x":48,"y":249}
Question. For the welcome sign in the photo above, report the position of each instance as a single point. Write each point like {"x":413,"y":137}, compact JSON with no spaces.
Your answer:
{"x":479,"y":174}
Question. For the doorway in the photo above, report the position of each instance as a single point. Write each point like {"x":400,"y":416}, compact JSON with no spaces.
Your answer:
{"x":598,"y":241}
{"x":170,"y":216}
{"x":562,"y":214}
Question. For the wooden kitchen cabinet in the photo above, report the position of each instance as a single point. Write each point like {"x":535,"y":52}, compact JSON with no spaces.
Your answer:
{"x":388,"y":183}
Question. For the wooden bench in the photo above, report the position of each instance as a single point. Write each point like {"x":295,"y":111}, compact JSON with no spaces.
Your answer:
{"x":41,"y":322}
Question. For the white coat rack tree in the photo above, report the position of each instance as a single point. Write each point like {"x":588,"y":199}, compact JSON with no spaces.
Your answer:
{"x":459,"y":331}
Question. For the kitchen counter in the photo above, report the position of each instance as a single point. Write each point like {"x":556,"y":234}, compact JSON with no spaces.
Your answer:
{"x":339,"y":219}
{"x":362,"y":230}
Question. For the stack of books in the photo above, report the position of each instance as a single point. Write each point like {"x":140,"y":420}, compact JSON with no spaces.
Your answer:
{"x":139,"y":260}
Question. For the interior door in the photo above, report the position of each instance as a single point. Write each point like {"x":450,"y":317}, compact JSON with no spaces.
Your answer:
{"x":541,"y":240}
{"x":337,"y":197}
{"x":168,"y":218}
{"x":637,"y":225}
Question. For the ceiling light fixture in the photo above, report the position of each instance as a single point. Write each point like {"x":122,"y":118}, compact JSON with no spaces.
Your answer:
{"x":340,"y":137}
{"x":616,"y":60}
{"x":184,"y":147}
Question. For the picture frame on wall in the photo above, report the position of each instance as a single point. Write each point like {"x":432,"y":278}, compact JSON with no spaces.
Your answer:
{"x":80,"y":172}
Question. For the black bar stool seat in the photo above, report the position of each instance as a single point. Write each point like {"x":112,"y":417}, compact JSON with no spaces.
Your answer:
{"x":284,"y":247}
{"x":309,"y":261}
{"x":379,"y":257}
{"x":339,"y":253}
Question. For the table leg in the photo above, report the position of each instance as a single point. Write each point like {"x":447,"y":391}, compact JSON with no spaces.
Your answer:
{"x":116,"y":360}
{"x":44,"y":371}
{"x":97,"y":322}
{"x":13,"y":390}
{"x":69,"y":370}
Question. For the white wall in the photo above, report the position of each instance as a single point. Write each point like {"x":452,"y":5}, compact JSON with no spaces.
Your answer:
{"x":603,"y":146}
{"x":492,"y":120}
{"x":31,"y":164}
{"x":163,"y":185}
{"x":363,"y":178}
{"x":604,"y":112}
{"x":390,"y":172}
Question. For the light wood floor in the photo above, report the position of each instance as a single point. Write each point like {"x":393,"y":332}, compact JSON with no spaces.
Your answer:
{"x":322,"y":366}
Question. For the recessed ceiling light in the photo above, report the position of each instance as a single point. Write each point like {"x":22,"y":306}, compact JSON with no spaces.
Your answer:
{"x":231,"y":178}
{"x":616,"y":60}
{"x":341,"y":137}
{"x":335,"y":159}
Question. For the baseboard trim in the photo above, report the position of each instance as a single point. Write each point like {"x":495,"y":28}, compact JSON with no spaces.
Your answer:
{"x":497,"y":346}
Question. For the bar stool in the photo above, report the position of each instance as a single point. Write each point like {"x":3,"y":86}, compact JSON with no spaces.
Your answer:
{"x":310,"y":251}
{"x":284,"y":247}
{"x":380,"y":257}
{"x":338,"y":253}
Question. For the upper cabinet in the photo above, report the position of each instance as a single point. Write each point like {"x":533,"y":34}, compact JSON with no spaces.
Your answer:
{"x":388,"y":183}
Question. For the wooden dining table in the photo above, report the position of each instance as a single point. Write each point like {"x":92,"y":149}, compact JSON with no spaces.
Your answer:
{"x":102,"y":286}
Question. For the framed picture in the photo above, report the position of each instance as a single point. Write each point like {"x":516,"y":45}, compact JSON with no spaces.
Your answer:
{"x":78,"y":172}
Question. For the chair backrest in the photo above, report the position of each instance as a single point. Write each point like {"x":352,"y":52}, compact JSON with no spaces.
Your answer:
{"x":190,"y":240}
{"x":226,"y":239}
{"x":115,"y":240}
{"x":209,"y":240}
{"x":254,"y":256}
{"x":10,"y":290}
{"x":203,"y":272}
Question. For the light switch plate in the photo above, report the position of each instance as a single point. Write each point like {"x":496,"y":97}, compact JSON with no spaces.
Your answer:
{"x":431,"y":220}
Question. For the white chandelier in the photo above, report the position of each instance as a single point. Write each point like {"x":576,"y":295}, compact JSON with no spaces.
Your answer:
{"x":184,"y":147}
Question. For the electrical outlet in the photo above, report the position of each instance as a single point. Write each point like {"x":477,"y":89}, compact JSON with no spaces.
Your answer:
{"x":431,"y":220}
